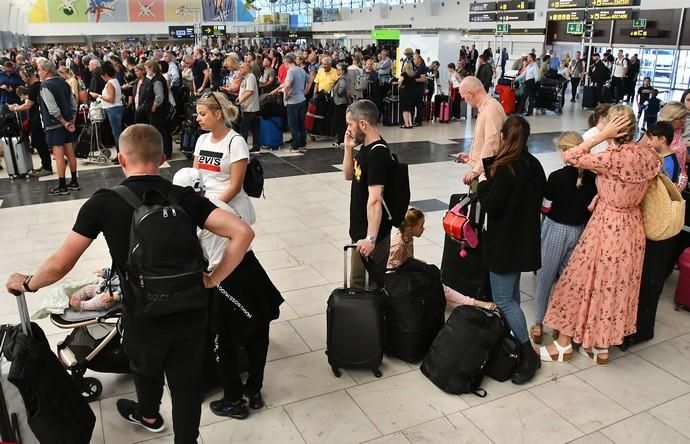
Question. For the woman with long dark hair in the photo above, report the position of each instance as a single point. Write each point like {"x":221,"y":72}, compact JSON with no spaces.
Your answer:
{"x":511,"y":193}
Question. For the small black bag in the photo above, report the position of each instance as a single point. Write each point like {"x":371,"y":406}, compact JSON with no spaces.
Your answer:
{"x":503,"y":358}
{"x":254,"y":178}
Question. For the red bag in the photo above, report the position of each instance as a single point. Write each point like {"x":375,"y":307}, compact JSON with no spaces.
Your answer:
{"x":456,"y":224}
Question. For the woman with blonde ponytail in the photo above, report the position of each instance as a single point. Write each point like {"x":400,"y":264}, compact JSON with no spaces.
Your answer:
{"x":567,"y":196}
{"x":222,"y":154}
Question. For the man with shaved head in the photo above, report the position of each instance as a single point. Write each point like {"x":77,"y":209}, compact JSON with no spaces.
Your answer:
{"x":487,"y":131}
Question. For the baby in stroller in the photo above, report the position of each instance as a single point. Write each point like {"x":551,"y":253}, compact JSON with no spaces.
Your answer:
{"x":101,"y":296}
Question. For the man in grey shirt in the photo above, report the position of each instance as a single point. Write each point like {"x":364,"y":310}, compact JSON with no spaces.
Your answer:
{"x":296,"y":103}
{"x":384,"y":68}
{"x":248,"y":101}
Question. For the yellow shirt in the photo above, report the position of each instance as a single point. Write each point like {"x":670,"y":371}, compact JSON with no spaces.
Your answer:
{"x":325,"y":80}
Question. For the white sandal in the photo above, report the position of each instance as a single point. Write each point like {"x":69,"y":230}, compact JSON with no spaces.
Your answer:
{"x":594,"y":353}
{"x":564,"y":353}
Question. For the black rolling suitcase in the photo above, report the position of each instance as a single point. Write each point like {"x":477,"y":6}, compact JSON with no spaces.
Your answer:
{"x":414,"y":305}
{"x":354,"y":327}
{"x":467,"y":274}
{"x":391,"y":111}
{"x":589,"y":97}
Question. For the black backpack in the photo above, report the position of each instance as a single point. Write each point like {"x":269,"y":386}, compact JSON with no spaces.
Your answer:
{"x":504,"y":358}
{"x":458,"y":357}
{"x":165,"y":264}
{"x":254,"y":178}
{"x":396,"y":194}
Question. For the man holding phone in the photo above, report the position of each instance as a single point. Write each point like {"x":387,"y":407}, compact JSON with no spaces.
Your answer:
{"x":487,"y":131}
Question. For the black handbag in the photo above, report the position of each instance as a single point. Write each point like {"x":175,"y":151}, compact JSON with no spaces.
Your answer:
{"x":503,"y":358}
{"x":254,"y":178}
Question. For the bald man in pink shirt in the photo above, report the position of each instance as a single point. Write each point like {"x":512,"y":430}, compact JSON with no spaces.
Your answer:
{"x":487,"y":130}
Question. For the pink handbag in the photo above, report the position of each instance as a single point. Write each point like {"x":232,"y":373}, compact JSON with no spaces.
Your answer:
{"x":456,"y":224}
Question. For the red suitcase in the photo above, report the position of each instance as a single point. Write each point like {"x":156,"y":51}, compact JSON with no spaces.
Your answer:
{"x":444,"y":111}
{"x":682,"y":296}
{"x":507,"y":97}
{"x":309,"y":118}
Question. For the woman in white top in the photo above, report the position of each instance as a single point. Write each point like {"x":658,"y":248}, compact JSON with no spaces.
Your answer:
{"x":111,"y":101}
{"x":222,"y":154}
{"x":597,"y":121}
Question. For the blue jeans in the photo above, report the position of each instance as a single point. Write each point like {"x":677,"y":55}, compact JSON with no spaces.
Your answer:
{"x":115,"y":118}
{"x":505,"y":289}
{"x":295,"y":115}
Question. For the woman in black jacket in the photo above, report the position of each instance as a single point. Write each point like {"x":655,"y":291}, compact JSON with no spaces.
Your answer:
{"x":511,"y":192}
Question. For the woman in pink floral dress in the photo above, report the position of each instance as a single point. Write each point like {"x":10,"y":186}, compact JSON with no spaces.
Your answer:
{"x":594,"y":302}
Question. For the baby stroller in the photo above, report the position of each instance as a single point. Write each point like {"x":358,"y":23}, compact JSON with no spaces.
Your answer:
{"x":95,"y":343}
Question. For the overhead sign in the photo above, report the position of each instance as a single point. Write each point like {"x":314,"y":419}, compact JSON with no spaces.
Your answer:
{"x":611,"y":14}
{"x":643,"y":33}
{"x":517,"y":16}
{"x":502,"y":28}
{"x":515,"y":5}
{"x":575,"y":28}
{"x":612,"y":3}
{"x":181,"y":32}
{"x":566,"y":16}
{"x":481,"y":7}
{"x":385,"y":34}
{"x":566,"y":4}
{"x":213,"y":30}
{"x":486,"y":17}
{"x":640,"y":23}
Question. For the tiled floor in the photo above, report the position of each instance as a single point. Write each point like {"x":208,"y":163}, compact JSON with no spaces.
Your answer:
{"x":642,"y":396}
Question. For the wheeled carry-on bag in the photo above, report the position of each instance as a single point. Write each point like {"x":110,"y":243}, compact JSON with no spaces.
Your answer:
{"x":354,"y":327}
{"x":589,"y":97}
{"x":414,"y":305}
{"x":17,"y":156}
{"x":271,"y":132}
{"x":391,"y":111}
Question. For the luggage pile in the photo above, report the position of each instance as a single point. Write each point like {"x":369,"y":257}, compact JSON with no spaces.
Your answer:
{"x":549,"y":95}
{"x":15,"y":145}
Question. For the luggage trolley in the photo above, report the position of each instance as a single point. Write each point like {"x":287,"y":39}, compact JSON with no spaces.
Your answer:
{"x":94,"y":116}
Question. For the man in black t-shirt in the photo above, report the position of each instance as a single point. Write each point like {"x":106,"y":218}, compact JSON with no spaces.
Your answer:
{"x":216,"y":66}
{"x":370,"y":170}
{"x":200,"y":72}
{"x":170,"y":346}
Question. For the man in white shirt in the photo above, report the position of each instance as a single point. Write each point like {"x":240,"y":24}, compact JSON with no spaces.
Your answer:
{"x":620,"y":69}
{"x":530,"y":76}
{"x":248,"y":101}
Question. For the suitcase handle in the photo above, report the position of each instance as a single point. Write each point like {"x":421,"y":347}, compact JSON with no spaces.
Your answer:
{"x":23,"y":314}
{"x":368,"y":266}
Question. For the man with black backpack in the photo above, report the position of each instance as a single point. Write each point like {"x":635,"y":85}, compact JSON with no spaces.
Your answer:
{"x":373,"y":210}
{"x":164,"y":285}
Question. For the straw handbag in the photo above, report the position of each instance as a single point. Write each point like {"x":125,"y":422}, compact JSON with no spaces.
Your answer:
{"x":663,"y":209}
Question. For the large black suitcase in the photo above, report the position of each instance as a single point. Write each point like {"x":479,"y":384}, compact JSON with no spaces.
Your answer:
{"x":414,"y":306}
{"x":459,"y":354}
{"x":354,"y":327}
{"x":468,"y":275}
{"x":391,"y":111}
{"x":589,"y":97}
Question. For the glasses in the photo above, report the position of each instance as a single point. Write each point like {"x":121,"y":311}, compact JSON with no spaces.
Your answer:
{"x":210,"y":94}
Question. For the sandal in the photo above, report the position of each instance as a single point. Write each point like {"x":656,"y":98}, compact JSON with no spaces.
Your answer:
{"x":563,"y":353}
{"x":536,"y":331}
{"x":594,"y":353}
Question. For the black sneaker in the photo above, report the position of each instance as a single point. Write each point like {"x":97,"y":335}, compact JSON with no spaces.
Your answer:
{"x":256,"y":402}
{"x":58,"y":191}
{"x":129,"y":410}
{"x":236,"y":410}
{"x":256,"y":149}
{"x":73,"y":186}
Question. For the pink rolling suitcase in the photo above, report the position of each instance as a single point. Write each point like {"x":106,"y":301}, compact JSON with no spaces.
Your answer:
{"x":444,"y":111}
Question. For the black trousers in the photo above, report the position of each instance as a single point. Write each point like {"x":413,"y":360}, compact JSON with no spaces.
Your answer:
{"x":256,"y":346}
{"x":618,"y":88}
{"x":339,"y":123}
{"x":531,"y":92}
{"x":250,"y":123}
{"x":38,"y":141}
{"x":170,"y":346}
{"x":574,"y":84}
{"x":160,"y":122}
{"x":418,"y":97}
{"x":658,"y":264}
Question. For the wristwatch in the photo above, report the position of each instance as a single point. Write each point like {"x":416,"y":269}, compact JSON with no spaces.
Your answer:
{"x":371,"y":239}
{"x":25,"y":284}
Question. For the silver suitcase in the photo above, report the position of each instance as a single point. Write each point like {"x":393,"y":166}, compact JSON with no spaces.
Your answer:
{"x":18,"y":159}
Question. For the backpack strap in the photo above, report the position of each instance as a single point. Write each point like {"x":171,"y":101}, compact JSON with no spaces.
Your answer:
{"x":127,"y":195}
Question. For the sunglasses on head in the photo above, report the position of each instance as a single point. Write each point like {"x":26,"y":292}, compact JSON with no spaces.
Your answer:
{"x":211,"y":94}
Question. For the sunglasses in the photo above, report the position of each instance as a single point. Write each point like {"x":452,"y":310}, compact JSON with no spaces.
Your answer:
{"x":210,"y":94}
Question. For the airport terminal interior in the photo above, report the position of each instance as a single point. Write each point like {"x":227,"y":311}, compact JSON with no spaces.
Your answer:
{"x":642,"y":395}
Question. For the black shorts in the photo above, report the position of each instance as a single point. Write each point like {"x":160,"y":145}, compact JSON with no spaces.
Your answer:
{"x":58,"y":137}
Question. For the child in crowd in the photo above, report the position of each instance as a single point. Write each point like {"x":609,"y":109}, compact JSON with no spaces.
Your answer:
{"x":660,"y":136}
{"x":98,"y":297}
{"x":596,"y":122}
{"x":643,"y":94}
{"x":242,"y":308}
{"x":567,"y":195}
{"x":402,"y":249}
{"x":651,"y":110}
{"x":23,"y":93}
